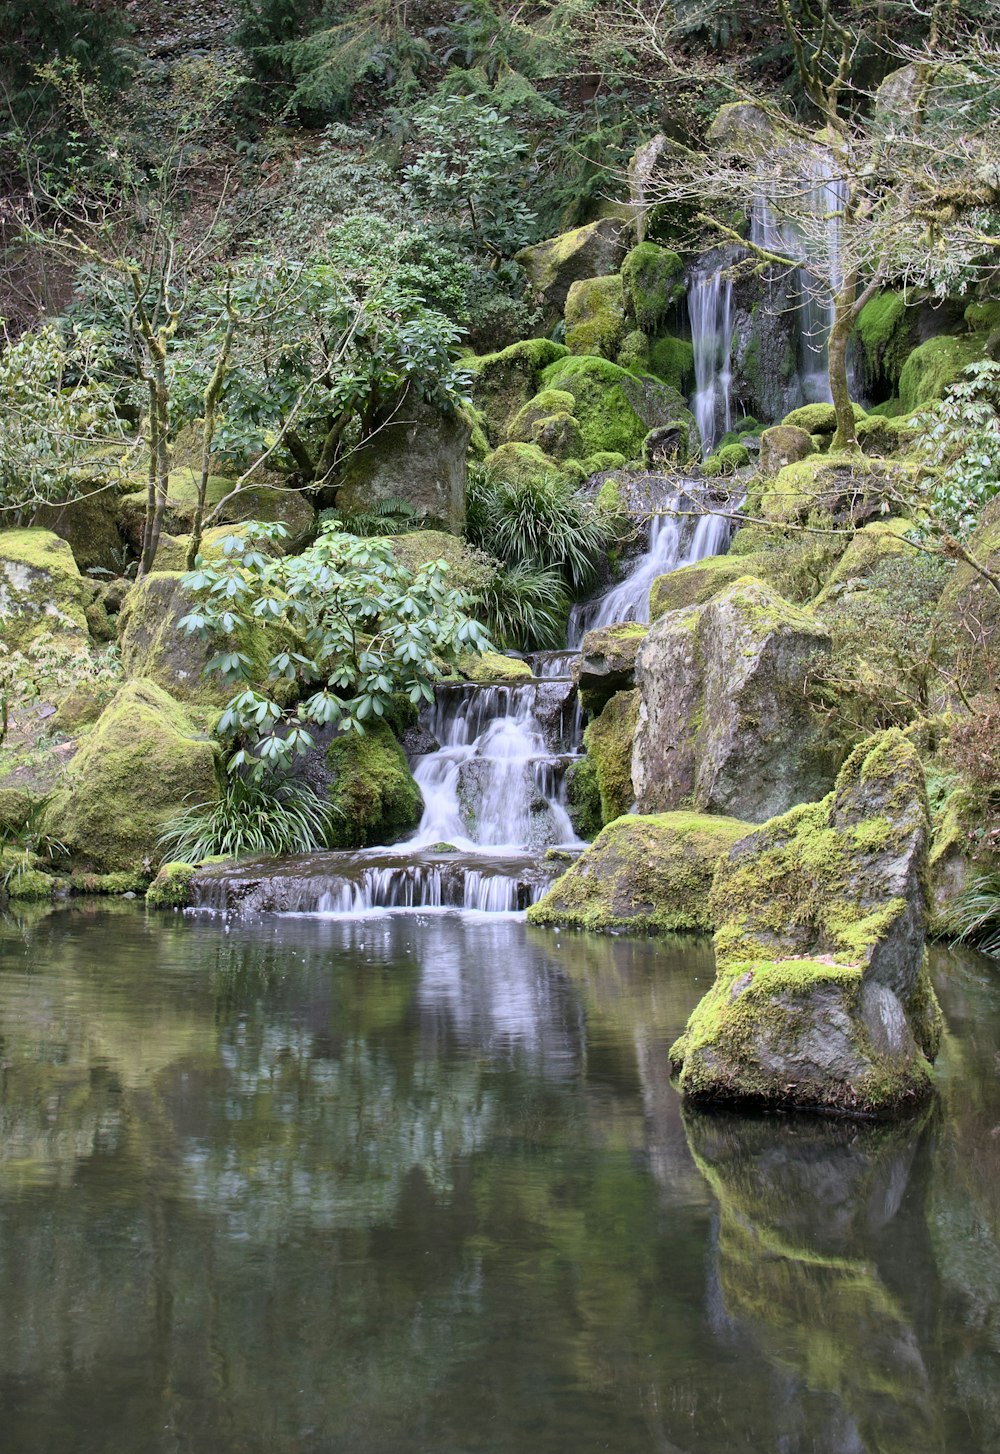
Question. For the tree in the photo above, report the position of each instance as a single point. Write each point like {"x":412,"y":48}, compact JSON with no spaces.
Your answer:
{"x":355,"y":629}
{"x":897,"y":186}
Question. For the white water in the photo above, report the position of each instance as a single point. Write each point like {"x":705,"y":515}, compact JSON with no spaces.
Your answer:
{"x":710,"y":307}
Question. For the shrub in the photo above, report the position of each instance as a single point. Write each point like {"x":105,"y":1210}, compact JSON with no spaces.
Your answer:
{"x":266,"y":815}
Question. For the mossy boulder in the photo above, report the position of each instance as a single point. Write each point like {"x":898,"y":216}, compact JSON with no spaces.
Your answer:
{"x":725,"y":724}
{"x":936,"y":364}
{"x":653,"y":282}
{"x":608,"y":741}
{"x":693,"y":585}
{"x":544,"y":405}
{"x":649,"y":874}
{"x":135,"y":770}
{"x":89,"y":525}
{"x":553,"y":266}
{"x":606,"y":663}
{"x":81,"y":705}
{"x":525,"y":464}
{"x":420,"y":457}
{"x":595,"y":316}
{"x":744,"y":130}
{"x":838,"y":489}
{"x":171,"y":888}
{"x":372,"y":792}
{"x":822,"y":998}
{"x":492,"y":667}
{"x":270,"y":503}
{"x":726,"y":461}
{"x":782,"y":445}
{"x":16,"y":807}
{"x":867,"y":549}
{"x":503,"y":383}
{"x":154,"y":646}
{"x":967,"y":617}
{"x":615,"y":409}
{"x":41,"y":589}
{"x":886,"y":333}
{"x":672,"y":360}
{"x":469,"y":569}
{"x":819,"y":418}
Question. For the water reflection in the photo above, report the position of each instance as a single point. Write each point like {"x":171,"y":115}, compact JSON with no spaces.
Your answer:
{"x":422,"y":1184}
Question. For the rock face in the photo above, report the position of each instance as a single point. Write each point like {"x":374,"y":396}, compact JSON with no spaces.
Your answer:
{"x":555,"y":265}
{"x":89,"y":526}
{"x":606,"y":663}
{"x":137,"y":768}
{"x":725,"y":724}
{"x":608,"y":741}
{"x":41,"y":589}
{"x":644,"y":874}
{"x":252,"y":502}
{"x":822,"y":997}
{"x":421,"y":458}
{"x":616,"y":409}
{"x":784,"y":444}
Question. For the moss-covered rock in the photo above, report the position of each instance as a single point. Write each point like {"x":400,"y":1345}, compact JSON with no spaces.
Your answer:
{"x":270,"y":503}
{"x":819,"y":418}
{"x":886,"y":333}
{"x":372,"y":792}
{"x":583,"y":799}
{"x":503,"y":383}
{"x":839,"y":489}
{"x":135,"y":770}
{"x":606,"y":663}
{"x":81,"y":706}
{"x":822,"y":997}
{"x":744,"y":130}
{"x":934,"y":365}
{"x":967,"y":617}
{"x":865,"y":552}
{"x":525,"y":464}
{"x":543,"y":406}
{"x":420,"y":458}
{"x":643,"y":874}
{"x":608,"y":741}
{"x":553,"y":266}
{"x":616,"y":409}
{"x":108,"y":885}
{"x":726,"y":461}
{"x":672,"y":360}
{"x":725,"y":724}
{"x":21,"y":882}
{"x":41,"y":589}
{"x":693,"y":585}
{"x":784,"y":444}
{"x":653,"y":280}
{"x":595,"y":316}
{"x":469,"y":569}
{"x":493,"y":667}
{"x":89,"y":525}
{"x":171,"y":888}
{"x":16,"y":807}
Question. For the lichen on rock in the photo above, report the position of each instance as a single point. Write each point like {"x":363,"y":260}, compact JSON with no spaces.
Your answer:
{"x":645,"y":874}
{"x":822,"y":997}
{"x":41,"y":589}
{"x":595,"y":316}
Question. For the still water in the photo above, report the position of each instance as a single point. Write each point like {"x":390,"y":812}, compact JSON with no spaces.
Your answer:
{"x":420,"y":1185}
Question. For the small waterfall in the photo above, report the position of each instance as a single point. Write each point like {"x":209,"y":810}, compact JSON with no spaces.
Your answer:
{"x":710,"y":307}
{"x":674,"y":540}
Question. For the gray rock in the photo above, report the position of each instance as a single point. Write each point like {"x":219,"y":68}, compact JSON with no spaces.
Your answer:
{"x":784,"y":444}
{"x":606,"y":663}
{"x":420,"y":458}
{"x":553,"y":266}
{"x":725,"y":724}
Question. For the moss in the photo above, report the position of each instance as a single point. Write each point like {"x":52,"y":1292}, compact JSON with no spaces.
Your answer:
{"x":649,"y":874}
{"x":983,"y":316}
{"x":934,"y":365}
{"x":583,"y":799}
{"x":672,"y":360}
{"x":819,"y":418}
{"x":559,"y":436}
{"x":469,"y":569}
{"x":492,"y":666}
{"x":616,"y":409}
{"x":108,"y":884}
{"x":609,"y":496}
{"x":524,"y":464}
{"x":41,"y":589}
{"x":608,"y":743}
{"x":373,"y":795}
{"x":885,"y":331}
{"x":891,"y":409}
{"x":634,"y":352}
{"x":693,"y":585}
{"x":252,"y":502}
{"x":653,"y":279}
{"x":881,"y":436}
{"x":595,"y":316}
{"x":171,"y":888}
{"x":726,"y":461}
{"x":542,"y":406}
{"x":553,"y":265}
{"x":16,"y":807}
{"x":136,"y":769}
{"x":502,"y":383}
{"x":865,"y":552}
{"x":845,"y":489}
{"x":31,"y":885}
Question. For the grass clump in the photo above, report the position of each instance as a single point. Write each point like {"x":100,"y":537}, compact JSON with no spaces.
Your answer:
{"x":272,"y":817}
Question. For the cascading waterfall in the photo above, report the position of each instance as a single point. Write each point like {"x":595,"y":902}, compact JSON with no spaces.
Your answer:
{"x":710,"y":307}
{"x":494,"y":787}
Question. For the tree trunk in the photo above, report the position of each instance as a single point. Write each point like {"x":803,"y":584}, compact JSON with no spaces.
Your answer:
{"x":845,"y":441}
{"x":210,"y":402}
{"x":160,"y":463}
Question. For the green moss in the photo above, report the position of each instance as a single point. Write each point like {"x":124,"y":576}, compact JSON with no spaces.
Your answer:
{"x":693,"y":585}
{"x":865,"y":552}
{"x":672,"y":360}
{"x":934,"y":365}
{"x":726,"y":461}
{"x":136,"y":769}
{"x":885,"y":331}
{"x":30,"y":885}
{"x":616,"y":409}
{"x":891,"y":409}
{"x":608,"y":743}
{"x":469,"y":569}
{"x":583,"y":799}
{"x":253,"y":502}
{"x":373,"y":795}
{"x":846,"y":489}
{"x":492,"y":666}
{"x":609,"y":496}
{"x":595,"y":316}
{"x":983,"y":316}
{"x":650,"y":873}
{"x":524,"y":464}
{"x":653,"y":279}
{"x":171,"y":888}
{"x":108,"y":884}
{"x":41,"y":589}
{"x":502,"y":383}
{"x":634,"y":352}
{"x":16,"y":807}
{"x":542,"y":406}
{"x":819,"y":418}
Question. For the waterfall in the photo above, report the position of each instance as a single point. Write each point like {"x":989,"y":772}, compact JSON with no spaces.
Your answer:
{"x":710,"y":307}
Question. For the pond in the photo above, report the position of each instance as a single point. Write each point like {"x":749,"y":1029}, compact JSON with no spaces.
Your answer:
{"x":419,"y":1184}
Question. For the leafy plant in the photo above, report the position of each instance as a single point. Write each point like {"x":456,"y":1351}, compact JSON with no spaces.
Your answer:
{"x":540,"y":522}
{"x":382,"y":517}
{"x":526,"y":607}
{"x":960,"y":442}
{"x":267,"y":815}
{"x":975,"y":918}
{"x":354,"y":629}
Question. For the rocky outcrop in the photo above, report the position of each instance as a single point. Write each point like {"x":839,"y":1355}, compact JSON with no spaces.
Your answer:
{"x":606,"y":663}
{"x":616,"y":409}
{"x":725,"y":724}
{"x":420,"y":458}
{"x":41,"y":589}
{"x":644,"y":874}
{"x":843,"y":490}
{"x":822,"y":997}
{"x":553,"y":266}
{"x":504,"y":382}
{"x":143,"y":761}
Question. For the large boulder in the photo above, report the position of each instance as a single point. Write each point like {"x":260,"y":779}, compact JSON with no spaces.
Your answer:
{"x":653,"y":283}
{"x":41,"y":589}
{"x":420,"y":458}
{"x":842,"y":489}
{"x":608,"y":741}
{"x":606,"y":663}
{"x":822,"y":997}
{"x":142,"y":762}
{"x":643,"y":874}
{"x":224,"y":504}
{"x":553,"y":266}
{"x":725,"y":724}
{"x":89,"y":525}
{"x":616,"y":409}
{"x":469,"y":569}
{"x":370,"y":788}
{"x":784,"y":444}
{"x":693,"y":585}
{"x":503,"y":383}
{"x":595,"y":316}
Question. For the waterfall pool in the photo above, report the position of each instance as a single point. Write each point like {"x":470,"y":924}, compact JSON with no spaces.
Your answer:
{"x":420,"y":1184}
